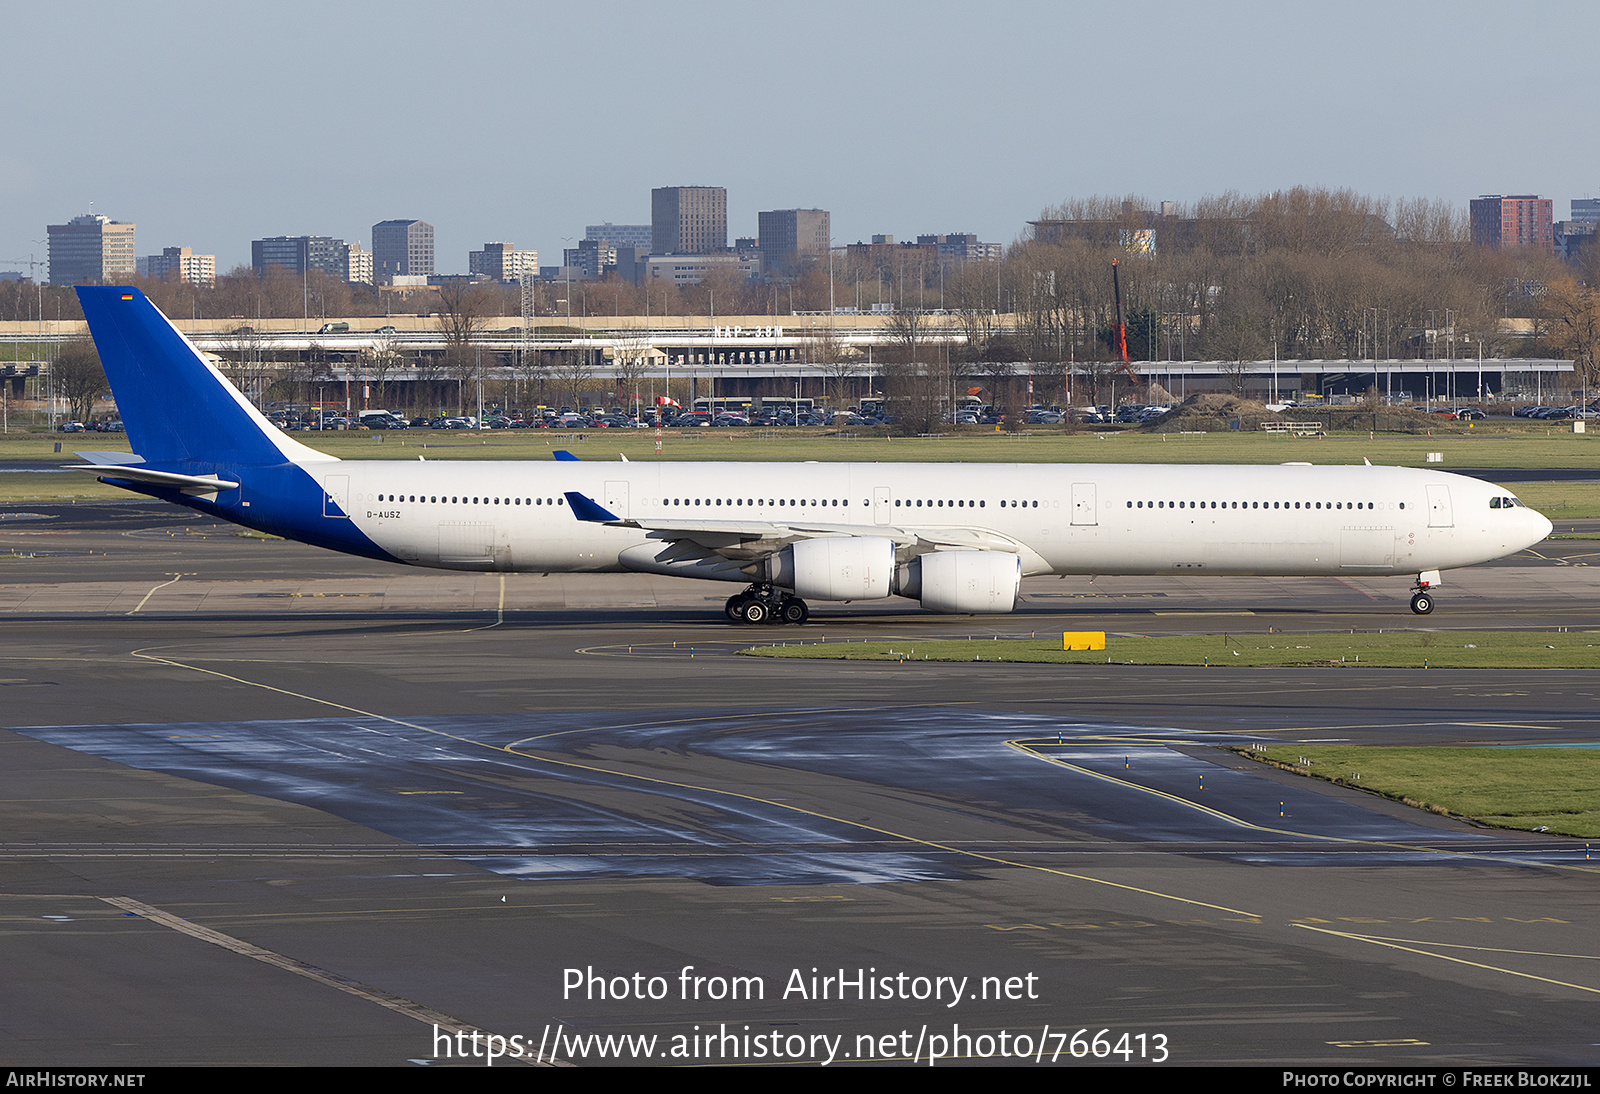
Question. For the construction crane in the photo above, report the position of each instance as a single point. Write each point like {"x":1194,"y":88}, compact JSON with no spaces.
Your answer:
{"x":1122,"y":330}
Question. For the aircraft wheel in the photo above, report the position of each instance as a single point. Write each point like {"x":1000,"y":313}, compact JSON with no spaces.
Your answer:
{"x":754,"y":612}
{"x":735,"y":603}
{"x":1422,"y":603}
{"x":794,"y":610}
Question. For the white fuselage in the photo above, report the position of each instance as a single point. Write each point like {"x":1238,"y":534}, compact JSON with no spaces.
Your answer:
{"x":1059,"y":518}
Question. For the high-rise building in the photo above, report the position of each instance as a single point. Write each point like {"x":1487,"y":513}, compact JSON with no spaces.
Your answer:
{"x":503,"y":262}
{"x":90,"y":249}
{"x":637,"y":236}
{"x":963,"y":245}
{"x":788,"y":235}
{"x":1586,"y":210}
{"x":402,"y":248}
{"x":1519,"y":220}
{"x":182,"y":263}
{"x":591,"y":258}
{"x":688,"y":220}
{"x":299,"y":254}
{"x":357,"y":264}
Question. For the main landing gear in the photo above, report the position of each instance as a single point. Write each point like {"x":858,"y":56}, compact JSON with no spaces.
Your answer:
{"x":763,"y":604}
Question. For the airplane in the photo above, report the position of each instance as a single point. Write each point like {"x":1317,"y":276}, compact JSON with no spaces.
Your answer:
{"x":957,"y":538}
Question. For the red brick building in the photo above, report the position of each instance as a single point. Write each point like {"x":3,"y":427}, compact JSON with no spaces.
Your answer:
{"x":1521,"y":220}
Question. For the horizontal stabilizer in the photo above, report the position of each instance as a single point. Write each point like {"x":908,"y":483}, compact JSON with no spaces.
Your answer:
{"x":563,"y":456}
{"x":110,"y":459}
{"x":116,"y":475}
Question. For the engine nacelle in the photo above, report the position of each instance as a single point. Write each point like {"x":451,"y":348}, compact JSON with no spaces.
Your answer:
{"x":838,"y":568}
{"x":963,"y":581}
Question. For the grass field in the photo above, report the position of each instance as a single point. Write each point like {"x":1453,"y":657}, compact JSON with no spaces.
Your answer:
{"x":1381,"y":649}
{"x":1523,"y":788}
{"x":1518,"y":445}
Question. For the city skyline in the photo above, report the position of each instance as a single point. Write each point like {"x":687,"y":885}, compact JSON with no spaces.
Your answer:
{"x":871,"y":122}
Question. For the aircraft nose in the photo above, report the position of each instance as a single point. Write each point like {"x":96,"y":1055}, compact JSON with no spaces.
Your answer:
{"x":1539,"y":527}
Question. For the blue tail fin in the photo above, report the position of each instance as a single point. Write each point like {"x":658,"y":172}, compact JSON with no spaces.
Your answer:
{"x":177,"y":408}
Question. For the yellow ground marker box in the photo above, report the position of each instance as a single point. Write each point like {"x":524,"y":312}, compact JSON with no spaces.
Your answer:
{"x":1083,"y":640}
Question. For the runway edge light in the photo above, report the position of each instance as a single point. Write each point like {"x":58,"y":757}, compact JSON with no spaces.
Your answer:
{"x":1083,"y":640}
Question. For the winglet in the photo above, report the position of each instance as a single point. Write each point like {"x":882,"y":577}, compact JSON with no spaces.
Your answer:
{"x":564,"y":456}
{"x":586,"y":508}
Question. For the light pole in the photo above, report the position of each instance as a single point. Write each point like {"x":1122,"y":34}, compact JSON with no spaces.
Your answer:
{"x":566,"y":268}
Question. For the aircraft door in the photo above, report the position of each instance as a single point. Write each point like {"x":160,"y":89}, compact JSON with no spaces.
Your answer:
{"x":616,"y":499}
{"x":1083,"y":507}
{"x":336,"y":496}
{"x":1439,"y":514}
{"x":881,"y":503}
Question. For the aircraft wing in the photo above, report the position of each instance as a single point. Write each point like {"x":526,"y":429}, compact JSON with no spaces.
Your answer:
{"x":749,"y":539}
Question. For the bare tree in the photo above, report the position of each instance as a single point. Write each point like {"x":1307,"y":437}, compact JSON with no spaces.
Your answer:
{"x":246,"y":362}
{"x":997,"y":376}
{"x":827,"y":353}
{"x":571,"y":370}
{"x":463,"y":309}
{"x":1050,"y":381}
{"x":1096,"y":378}
{"x":632,"y":359}
{"x":1570,"y":322}
{"x":918,"y":375}
{"x":1240,"y":341}
{"x":77,"y":376}
{"x":379,"y":360}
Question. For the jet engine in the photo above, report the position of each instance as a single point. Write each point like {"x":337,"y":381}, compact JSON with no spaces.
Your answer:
{"x":836,"y":568}
{"x":962,"y":581}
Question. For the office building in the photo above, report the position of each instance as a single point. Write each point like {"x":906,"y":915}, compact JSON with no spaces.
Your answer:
{"x":90,"y":249}
{"x":693,"y":269}
{"x":402,"y":248}
{"x":787,"y":236}
{"x":183,"y":264}
{"x":1575,"y":237}
{"x":1520,"y":220}
{"x":593,"y":257}
{"x":688,"y":220}
{"x":298,"y":255}
{"x":637,"y":236}
{"x":357,"y":264}
{"x":889,"y":257}
{"x":964,"y":246}
{"x":503,"y":262}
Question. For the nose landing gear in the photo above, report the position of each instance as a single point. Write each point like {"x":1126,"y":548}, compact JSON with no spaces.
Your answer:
{"x":1422,"y":599}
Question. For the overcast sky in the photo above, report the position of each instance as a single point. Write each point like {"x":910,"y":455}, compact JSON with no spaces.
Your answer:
{"x":209,"y":125}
